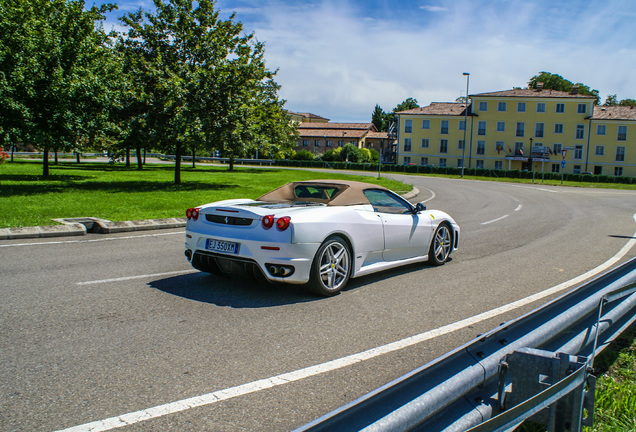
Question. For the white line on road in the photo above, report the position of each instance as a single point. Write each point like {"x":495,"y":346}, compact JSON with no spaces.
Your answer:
{"x":126,"y":278}
{"x":91,"y":240}
{"x":495,"y":220}
{"x":518,"y":208}
{"x":255,"y":386}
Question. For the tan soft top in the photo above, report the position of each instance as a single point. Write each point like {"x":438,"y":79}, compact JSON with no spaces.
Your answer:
{"x":330,"y":192}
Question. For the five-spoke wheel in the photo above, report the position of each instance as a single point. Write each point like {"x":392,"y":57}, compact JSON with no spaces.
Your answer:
{"x":331,"y":267}
{"x":441,"y":246}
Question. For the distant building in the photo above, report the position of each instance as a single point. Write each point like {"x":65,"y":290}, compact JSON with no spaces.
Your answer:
{"x":320,"y":137}
{"x":307,"y":117}
{"x":521,"y":129}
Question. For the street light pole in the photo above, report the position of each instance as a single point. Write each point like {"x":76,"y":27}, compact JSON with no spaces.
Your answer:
{"x":467,"y":75}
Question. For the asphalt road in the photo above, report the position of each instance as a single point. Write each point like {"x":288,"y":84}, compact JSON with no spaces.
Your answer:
{"x":106,"y":330}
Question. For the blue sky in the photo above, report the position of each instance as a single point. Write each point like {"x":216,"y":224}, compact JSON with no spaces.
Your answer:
{"x":339,"y":58}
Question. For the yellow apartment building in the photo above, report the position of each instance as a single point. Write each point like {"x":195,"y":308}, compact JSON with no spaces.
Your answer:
{"x":521,"y":129}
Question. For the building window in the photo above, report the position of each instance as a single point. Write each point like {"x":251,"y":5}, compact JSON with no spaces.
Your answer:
{"x":501,"y":107}
{"x":558,"y":128}
{"x":498,"y":165}
{"x":556,"y":168}
{"x":581,"y":108}
{"x":556,"y":148}
{"x":599,"y":150}
{"x":576,"y":169}
{"x":520,"y":129}
{"x":483,"y":106}
{"x":601,"y":129}
{"x":407,"y":144}
{"x":460,"y":144}
{"x":407,"y":160}
{"x":408,"y":126}
{"x":620,"y":154}
{"x":480,"y":164}
{"x":580,"y":131}
{"x":305,"y":143}
{"x":340,"y":143}
{"x":424,"y":161}
{"x":560,"y":108}
{"x":426,"y":124}
{"x":330,"y":143}
{"x":481,"y":128}
{"x":443,"y":146}
{"x":501,"y":126}
{"x":540,"y":107}
{"x":462,"y":125}
{"x":460,"y":163}
{"x":425,"y":142}
{"x":518,"y":148}
{"x":444,"y":127}
{"x":622,"y":133}
{"x":521,"y":107}
{"x":538,"y":130}
{"x":578,"y":152}
{"x":598,"y":170}
{"x":317,"y":143}
{"x":499,"y":146}
{"x":481,"y":147}
{"x":442,"y":162}
{"x":618,"y":171}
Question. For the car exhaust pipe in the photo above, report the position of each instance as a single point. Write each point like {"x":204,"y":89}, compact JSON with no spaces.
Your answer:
{"x":188,"y":254}
{"x":279,"y":270}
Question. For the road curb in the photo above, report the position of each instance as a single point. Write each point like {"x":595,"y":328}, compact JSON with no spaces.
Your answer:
{"x":91,"y":225}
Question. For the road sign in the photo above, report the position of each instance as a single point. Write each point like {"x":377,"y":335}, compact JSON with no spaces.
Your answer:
{"x":563,"y":153}
{"x":562,"y":164}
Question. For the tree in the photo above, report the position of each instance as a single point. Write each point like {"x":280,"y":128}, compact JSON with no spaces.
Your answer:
{"x":57,"y":73}
{"x":207,"y":81}
{"x":350,"y":153}
{"x":380,"y":119}
{"x":408,"y":104}
{"x":557,"y":82}
{"x":611,"y":100}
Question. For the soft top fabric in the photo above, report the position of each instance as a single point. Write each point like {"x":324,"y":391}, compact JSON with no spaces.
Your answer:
{"x":347,"y":192}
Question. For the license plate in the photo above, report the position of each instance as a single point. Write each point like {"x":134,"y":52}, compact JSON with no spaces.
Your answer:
{"x":222,"y":246}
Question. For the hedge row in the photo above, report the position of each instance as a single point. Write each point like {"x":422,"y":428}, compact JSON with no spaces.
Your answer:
{"x":422,"y":169}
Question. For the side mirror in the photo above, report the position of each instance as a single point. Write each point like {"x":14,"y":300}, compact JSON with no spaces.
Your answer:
{"x":420,"y":207}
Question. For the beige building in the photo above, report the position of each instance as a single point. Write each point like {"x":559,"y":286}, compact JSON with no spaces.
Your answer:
{"x":521,"y":129}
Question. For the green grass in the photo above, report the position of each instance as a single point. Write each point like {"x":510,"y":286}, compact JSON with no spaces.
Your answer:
{"x":117,"y":193}
{"x":615,"y":404}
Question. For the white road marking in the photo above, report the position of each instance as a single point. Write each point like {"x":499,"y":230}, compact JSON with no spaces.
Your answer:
{"x":255,"y":386}
{"x":125,"y":278}
{"x":91,"y":240}
{"x":518,"y":208}
{"x":495,"y":220}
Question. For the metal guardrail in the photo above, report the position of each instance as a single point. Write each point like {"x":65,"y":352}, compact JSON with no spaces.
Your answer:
{"x":476,"y":385}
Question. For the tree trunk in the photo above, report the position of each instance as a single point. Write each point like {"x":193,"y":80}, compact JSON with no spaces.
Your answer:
{"x":194,"y":156}
{"x":231,"y":162}
{"x":177,"y":166}
{"x":45,"y":162}
{"x":77,"y":156}
{"x":127,"y":157}
{"x":139,"y":161}
{"x":55,"y":157}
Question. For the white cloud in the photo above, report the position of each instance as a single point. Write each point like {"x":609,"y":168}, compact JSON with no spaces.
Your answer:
{"x":338,"y":59}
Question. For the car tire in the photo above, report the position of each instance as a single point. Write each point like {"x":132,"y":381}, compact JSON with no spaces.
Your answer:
{"x":331,"y":267}
{"x":441,"y":245}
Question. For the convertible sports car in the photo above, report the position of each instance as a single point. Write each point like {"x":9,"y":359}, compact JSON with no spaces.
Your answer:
{"x":317,"y":232}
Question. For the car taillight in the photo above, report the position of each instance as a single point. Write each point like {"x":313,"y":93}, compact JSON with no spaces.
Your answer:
{"x":192,"y":213}
{"x":268,"y":221}
{"x":283,"y":223}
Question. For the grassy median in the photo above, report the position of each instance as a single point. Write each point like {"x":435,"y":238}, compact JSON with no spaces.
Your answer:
{"x":117,"y":193}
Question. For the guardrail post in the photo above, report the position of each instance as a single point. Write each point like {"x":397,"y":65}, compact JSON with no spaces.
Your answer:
{"x":532,"y":371}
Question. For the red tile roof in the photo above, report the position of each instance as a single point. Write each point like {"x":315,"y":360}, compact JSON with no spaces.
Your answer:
{"x":438,"y":108}
{"x":532,"y":93}
{"x":614,"y":113}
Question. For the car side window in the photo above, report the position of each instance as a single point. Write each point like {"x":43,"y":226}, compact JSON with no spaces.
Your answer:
{"x":385,"y":202}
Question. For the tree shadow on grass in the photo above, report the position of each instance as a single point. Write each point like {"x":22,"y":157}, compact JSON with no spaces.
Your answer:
{"x":40,"y":188}
{"x":236,"y":292}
